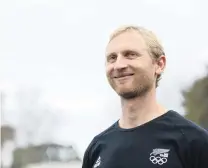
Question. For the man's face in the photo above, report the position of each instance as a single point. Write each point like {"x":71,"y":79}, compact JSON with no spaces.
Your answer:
{"x":130,"y":70}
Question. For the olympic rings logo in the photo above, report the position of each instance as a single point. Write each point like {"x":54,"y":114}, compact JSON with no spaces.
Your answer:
{"x":158,"y":160}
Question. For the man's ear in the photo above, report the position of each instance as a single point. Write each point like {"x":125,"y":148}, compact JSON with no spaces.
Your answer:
{"x":160,"y":64}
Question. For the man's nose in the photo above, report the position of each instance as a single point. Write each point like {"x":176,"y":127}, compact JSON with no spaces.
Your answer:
{"x":120,"y":63}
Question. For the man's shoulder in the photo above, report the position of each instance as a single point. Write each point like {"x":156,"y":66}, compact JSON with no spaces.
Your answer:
{"x":188,"y":128}
{"x":196,"y":141}
{"x":101,"y":136}
{"x":108,"y":131}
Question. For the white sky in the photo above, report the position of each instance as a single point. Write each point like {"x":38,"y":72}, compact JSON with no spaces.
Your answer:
{"x":58,"y":46}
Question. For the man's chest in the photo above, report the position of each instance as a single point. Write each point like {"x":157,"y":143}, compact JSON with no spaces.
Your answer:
{"x":137,"y":155}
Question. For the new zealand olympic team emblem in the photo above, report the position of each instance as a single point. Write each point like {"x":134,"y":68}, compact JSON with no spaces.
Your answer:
{"x":159,"y":156}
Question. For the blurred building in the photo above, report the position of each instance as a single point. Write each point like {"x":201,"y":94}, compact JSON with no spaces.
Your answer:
{"x":72,"y":164}
{"x":45,"y":154}
{"x":7,"y":145}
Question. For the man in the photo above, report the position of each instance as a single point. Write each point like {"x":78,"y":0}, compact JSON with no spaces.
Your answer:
{"x":147,"y":135}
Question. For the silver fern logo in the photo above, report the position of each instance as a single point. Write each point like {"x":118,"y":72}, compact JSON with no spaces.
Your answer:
{"x":159,"y":156}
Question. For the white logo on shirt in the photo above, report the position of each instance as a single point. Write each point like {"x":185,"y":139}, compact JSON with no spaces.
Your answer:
{"x":98,"y":162}
{"x":159,"y":156}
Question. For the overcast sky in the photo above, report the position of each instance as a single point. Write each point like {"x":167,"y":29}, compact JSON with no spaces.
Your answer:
{"x":58,"y":46}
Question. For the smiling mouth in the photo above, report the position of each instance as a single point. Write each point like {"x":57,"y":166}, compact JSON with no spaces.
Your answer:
{"x":123,"y":76}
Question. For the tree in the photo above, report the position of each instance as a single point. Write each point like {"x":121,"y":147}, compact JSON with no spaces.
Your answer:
{"x":196,"y":101}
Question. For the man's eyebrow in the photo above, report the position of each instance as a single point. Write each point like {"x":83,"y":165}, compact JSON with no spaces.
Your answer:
{"x":124,"y":52}
{"x":130,"y":50}
{"x":110,"y":53}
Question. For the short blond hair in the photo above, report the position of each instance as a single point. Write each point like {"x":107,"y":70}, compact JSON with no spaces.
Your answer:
{"x":155,"y":48}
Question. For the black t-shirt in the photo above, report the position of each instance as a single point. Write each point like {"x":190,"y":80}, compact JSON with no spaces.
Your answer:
{"x":169,"y":141}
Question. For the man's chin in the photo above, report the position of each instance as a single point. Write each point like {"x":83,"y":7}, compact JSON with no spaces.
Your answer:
{"x":128,"y":95}
{"x":122,"y":90}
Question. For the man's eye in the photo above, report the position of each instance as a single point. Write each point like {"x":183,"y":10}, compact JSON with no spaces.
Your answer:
{"x":131,"y":54}
{"x":112,"y":58}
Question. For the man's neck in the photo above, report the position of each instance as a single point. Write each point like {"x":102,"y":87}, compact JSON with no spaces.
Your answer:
{"x":140,"y":110}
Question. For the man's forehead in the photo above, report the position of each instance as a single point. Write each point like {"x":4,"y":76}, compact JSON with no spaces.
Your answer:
{"x":126,"y":41}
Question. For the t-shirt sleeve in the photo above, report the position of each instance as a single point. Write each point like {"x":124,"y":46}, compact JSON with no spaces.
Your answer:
{"x":199,"y":153}
{"x":203,"y":156}
{"x":87,"y":159}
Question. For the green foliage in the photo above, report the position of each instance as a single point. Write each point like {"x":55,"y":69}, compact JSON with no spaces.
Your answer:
{"x":196,"y":101}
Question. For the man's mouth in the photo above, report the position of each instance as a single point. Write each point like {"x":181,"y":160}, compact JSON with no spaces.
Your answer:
{"x":123,"y":76}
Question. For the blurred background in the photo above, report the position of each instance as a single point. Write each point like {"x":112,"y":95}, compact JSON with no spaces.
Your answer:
{"x":54,"y":94}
